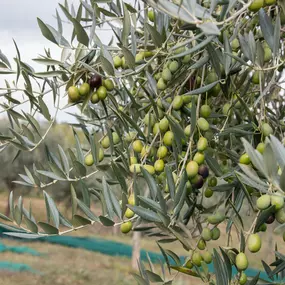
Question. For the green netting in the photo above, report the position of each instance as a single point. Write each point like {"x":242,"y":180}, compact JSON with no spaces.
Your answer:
{"x":113,"y":248}
{"x":119,"y":249}
{"x":19,"y":267}
{"x":18,"y":249}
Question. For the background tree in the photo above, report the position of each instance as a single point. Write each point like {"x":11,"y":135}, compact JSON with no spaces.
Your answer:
{"x":183,"y":115}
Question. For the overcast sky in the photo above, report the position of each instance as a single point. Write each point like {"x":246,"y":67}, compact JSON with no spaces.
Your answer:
{"x":18,"y":21}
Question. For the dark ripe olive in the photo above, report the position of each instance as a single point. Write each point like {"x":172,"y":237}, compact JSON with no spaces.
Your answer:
{"x":270,"y":219}
{"x":95,"y":81}
{"x":203,"y":171}
{"x":197,"y":182}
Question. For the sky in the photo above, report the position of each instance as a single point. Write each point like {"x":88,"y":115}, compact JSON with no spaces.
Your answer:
{"x":18,"y":21}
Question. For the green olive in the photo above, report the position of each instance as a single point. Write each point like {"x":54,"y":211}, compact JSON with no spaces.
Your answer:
{"x":151,"y":15}
{"x":266,"y":129}
{"x":136,"y":167}
{"x":187,"y":58}
{"x":212,"y":182}
{"x":192,"y":168}
{"x":166,"y":74}
{"x":168,"y":138}
{"x":131,"y":200}
{"x":203,"y":124}
{"x":105,"y":142}
{"x":159,"y":165}
{"x":278,"y":201}
{"x":254,"y":243}
{"x":129,"y":213}
{"x":173,"y":66}
{"x":117,"y":61}
{"x":109,"y":84}
{"x":206,"y":234}
{"x":208,"y":193}
{"x":115,"y":137}
{"x":207,"y":257}
{"x":101,"y":154}
{"x":133,"y":160}
{"x":102,"y":92}
{"x":164,"y":125}
{"x":161,"y":84}
{"x":280,"y":216}
{"x":149,"y":119}
{"x":187,"y":130}
{"x":242,"y":279}
{"x":227,"y":109}
{"x":189,"y":264}
{"x":245,"y":159}
{"x":199,"y":157}
{"x":73,"y":94}
{"x":177,"y":102}
{"x":235,"y":44}
{"x":255,"y":5}
{"x":149,"y":168}
{"x":162,"y":152}
{"x":261,"y":147}
{"x":197,"y":259}
{"x":126,"y":227}
{"x":241,"y":261}
{"x":267,"y":54}
{"x":256,"y":77}
{"x":205,"y":111}
{"x":202,"y":144}
{"x":201,"y":244}
{"x":137,"y":146}
{"x":155,"y":129}
{"x":216,"y":233}
{"x":217,"y":218}
{"x":84,"y":89}
{"x":89,"y":160}
{"x":263,"y":202}
{"x":94,"y":98}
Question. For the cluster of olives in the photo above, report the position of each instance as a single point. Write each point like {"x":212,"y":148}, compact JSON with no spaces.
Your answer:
{"x":157,"y":150}
{"x":240,"y":259}
{"x":197,"y":257}
{"x":275,"y":199}
{"x":265,"y":130}
{"x":196,"y":170}
{"x":127,"y":225}
{"x":120,"y":61}
{"x":96,"y":85}
{"x":105,"y":144}
{"x":165,"y":76}
{"x":258,"y":4}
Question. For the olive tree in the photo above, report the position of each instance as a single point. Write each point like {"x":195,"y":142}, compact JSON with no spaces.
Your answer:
{"x":183,"y":111}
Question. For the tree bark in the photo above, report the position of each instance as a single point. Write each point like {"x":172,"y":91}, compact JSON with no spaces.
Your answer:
{"x":136,"y":249}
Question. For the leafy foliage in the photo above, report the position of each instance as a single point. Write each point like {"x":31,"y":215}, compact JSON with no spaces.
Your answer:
{"x":185,"y":104}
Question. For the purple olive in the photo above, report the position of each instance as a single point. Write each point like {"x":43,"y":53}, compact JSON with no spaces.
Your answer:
{"x":197,"y":181}
{"x":95,"y":81}
{"x":203,"y":171}
{"x":270,"y":219}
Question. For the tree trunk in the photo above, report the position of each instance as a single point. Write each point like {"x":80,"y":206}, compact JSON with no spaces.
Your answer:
{"x":136,"y":249}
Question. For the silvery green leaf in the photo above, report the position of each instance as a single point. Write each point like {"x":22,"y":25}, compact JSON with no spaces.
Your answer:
{"x":209,"y":28}
{"x":266,"y":28}
{"x":126,"y":26}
